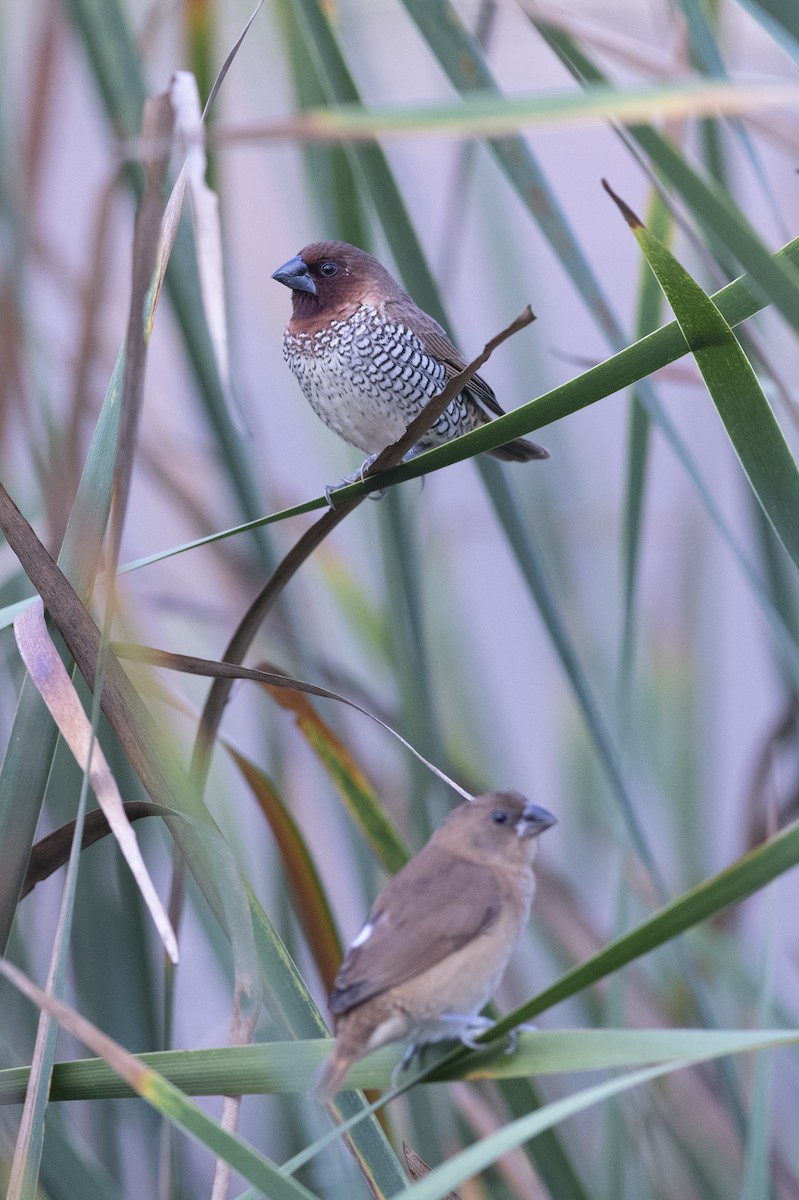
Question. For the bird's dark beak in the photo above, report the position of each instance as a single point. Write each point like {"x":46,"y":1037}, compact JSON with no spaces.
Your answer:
{"x":295,"y":275}
{"x":534,"y":820}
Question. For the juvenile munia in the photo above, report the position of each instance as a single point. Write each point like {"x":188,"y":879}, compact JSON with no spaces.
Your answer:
{"x":368,"y":359}
{"x":439,"y":936}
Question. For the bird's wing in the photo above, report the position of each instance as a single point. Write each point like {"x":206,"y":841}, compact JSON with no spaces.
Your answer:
{"x":438,"y":345}
{"x":435,"y":905}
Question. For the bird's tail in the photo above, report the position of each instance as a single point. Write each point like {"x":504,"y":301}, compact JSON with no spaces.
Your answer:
{"x":331,"y":1074}
{"x":519,"y":451}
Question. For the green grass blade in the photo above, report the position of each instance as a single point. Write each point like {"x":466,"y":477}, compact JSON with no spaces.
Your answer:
{"x":167,"y":1099}
{"x":369,"y":163}
{"x":742,"y":405}
{"x":650,"y":303}
{"x":288,"y":1067}
{"x":476,"y":1158}
{"x":748,"y":874}
{"x":780,"y":18}
{"x":530,"y":562}
{"x":463,"y":59}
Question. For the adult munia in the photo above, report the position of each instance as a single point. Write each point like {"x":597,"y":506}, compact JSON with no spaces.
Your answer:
{"x":439,"y":936}
{"x":368,"y":358}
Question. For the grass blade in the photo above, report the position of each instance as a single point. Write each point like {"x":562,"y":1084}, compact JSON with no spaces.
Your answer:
{"x":748,"y":418}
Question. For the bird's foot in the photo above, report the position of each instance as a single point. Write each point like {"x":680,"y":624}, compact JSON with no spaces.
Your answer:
{"x":358,"y":476}
{"x":476,"y":1025}
{"x":468,"y":1027}
{"x":473,"y":1026}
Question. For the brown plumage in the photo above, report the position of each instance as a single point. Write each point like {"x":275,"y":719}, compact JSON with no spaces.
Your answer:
{"x":438,"y":938}
{"x":368,"y":358}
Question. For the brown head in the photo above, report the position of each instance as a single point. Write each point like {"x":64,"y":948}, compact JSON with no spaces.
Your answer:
{"x":331,"y":279}
{"x":498,"y":826}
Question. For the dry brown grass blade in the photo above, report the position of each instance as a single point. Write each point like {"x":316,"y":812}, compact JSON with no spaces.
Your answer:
{"x":255,"y":615}
{"x":158,"y":123}
{"x":127,"y":715}
{"x":54,"y":685}
{"x":310,"y":902}
{"x":52,"y":852}
{"x":418,"y":1168}
{"x":191,"y":665}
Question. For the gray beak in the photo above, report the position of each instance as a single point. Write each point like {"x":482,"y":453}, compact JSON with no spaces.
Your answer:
{"x":295,"y":275}
{"x":534,"y":820}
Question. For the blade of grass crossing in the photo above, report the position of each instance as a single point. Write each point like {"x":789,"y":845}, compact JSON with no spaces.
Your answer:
{"x":478,"y":1157}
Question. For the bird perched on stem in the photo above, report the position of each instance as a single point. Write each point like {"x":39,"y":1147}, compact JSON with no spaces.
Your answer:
{"x":368,"y":359}
{"x":439,"y":936}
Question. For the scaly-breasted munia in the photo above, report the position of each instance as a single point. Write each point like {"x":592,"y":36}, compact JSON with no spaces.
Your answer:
{"x":439,"y":936}
{"x":368,"y":358}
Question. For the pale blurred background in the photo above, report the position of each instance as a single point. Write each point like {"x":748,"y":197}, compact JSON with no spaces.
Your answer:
{"x":455,"y":655}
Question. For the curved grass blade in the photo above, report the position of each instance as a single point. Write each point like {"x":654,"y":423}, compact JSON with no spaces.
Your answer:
{"x":254,"y":616}
{"x":52,"y":851}
{"x":50,"y":676}
{"x":386,"y":842}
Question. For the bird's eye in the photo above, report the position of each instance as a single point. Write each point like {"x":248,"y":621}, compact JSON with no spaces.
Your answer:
{"x":499,"y":817}
{"x":329,"y":268}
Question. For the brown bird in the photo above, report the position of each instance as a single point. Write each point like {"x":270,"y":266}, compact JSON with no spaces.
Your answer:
{"x":439,"y":936}
{"x":368,"y":358}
